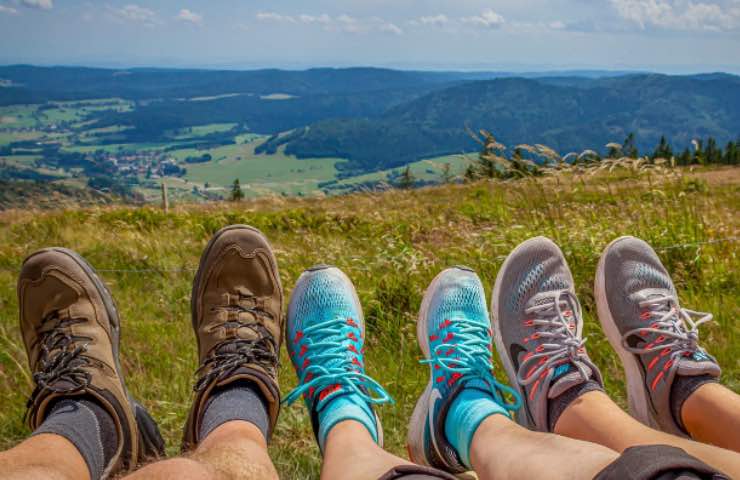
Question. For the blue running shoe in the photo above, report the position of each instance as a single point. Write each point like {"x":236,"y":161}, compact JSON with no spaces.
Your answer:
{"x":454,"y":333}
{"x":325,"y":337}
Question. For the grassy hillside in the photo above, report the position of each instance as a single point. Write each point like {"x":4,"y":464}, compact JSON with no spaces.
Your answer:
{"x":391,"y":244}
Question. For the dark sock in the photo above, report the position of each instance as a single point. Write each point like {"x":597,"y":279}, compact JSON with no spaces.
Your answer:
{"x":557,"y":405}
{"x":88,"y":426}
{"x":240,"y":400}
{"x":682,"y":388}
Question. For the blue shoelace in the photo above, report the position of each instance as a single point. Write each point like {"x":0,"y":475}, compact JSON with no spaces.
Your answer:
{"x":330,"y":366}
{"x":473,"y":359}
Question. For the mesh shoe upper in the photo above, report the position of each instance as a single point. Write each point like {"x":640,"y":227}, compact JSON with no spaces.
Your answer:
{"x":455,"y":334}
{"x":325,"y":339}
{"x":662,"y":336}
{"x":539,"y":326}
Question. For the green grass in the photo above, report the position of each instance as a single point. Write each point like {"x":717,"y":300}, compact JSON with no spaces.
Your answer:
{"x":391,"y":245}
{"x":7,"y":138}
{"x":202,"y":130}
{"x":19,"y":116}
{"x":259,"y":174}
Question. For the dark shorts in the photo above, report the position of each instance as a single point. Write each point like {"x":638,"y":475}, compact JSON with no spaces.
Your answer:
{"x":658,"y":462}
{"x":416,"y":472}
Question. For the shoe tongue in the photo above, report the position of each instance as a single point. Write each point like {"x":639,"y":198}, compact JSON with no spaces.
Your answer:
{"x":566,"y":376}
{"x":699,"y":363}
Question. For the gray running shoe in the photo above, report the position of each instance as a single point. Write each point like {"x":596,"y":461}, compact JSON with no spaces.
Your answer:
{"x":655,"y":338}
{"x":537,"y":327}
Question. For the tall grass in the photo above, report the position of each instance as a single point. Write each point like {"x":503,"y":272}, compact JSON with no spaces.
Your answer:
{"x":391,"y":244}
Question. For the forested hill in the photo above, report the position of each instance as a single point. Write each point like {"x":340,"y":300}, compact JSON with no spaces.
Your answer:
{"x":567,"y":114}
{"x":31,"y":84}
{"x":374,"y":118}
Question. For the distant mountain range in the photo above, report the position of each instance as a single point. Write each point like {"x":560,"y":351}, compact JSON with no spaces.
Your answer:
{"x":379,"y":118}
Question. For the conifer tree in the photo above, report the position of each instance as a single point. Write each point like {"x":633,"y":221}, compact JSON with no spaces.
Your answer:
{"x":236,"y":191}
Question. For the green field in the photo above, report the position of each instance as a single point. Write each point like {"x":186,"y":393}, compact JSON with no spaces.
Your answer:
{"x":391,"y":244}
{"x":259,"y":174}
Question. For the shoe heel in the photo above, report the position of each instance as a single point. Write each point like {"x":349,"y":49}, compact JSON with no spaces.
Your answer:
{"x":151,"y":444}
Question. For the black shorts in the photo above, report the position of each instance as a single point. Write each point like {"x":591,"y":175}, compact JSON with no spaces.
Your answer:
{"x":658,"y":462}
{"x":416,"y":472}
{"x":649,"y":462}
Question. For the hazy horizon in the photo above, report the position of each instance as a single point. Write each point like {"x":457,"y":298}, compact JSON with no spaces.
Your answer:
{"x":664,"y":36}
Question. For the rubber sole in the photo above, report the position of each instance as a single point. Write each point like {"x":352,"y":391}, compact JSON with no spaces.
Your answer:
{"x":637,"y":397}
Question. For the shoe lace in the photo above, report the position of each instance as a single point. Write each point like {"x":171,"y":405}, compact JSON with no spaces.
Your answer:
{"x":235,"y":351}
{"x":472,"y":360}
{"x":563,"y":343}
{"x":330,"y":367}
{"x":669,"y":321}
{"x":61,"y":361}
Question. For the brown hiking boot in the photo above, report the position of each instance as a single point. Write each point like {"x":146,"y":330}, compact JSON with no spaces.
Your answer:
{"x":236,"y":306}
{"x":71,"y":331}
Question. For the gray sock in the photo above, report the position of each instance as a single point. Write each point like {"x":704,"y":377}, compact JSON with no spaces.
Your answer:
{"x":88,"y":426}
{"x":237,"y":401}
{"x":682,"y":388}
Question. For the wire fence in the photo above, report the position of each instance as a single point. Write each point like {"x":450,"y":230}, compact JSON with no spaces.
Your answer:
{"x":193,"y":269}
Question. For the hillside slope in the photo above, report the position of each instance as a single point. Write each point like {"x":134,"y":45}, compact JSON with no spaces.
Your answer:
{"x":568,"y":115}
{"x":391,"y":245}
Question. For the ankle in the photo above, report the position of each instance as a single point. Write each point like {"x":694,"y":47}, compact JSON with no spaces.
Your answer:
{"x":464,"y":417}
{"x":228,"y":432}
{"x":346,"y":410}
{"x":689,"y":398}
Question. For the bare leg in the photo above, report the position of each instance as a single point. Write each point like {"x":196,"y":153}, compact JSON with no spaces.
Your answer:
{"x":712,"y":415}
{"x":234,"y":450}
{"x":594,"y":417}
{"x":531,"y":454}
{"x":60,"y":460}
{"x":350,"y":448}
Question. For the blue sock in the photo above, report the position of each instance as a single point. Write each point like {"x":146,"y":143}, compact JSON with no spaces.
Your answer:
{"x":465,"y":415}
{"x":345,"y":407}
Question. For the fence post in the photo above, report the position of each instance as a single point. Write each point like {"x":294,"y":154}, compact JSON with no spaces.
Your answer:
{"x":165,"y":200}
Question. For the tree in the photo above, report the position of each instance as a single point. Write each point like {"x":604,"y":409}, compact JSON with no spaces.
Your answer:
{"x":712,"y":153}
{"x":685,"y":157}
{"x":732,"y":154}
{"x":446,"y":174}
{"x":406,"y":180}
{"x":663,"y":150}
{"x":490,"y":159}
{"x":471,"y":174}
{"x":236,"y":191}
{"x":629,"y":148}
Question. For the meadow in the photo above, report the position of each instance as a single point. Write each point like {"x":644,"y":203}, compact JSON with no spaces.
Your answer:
{"x":391,"y":244}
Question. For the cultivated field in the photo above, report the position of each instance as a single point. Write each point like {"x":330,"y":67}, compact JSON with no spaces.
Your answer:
{"x":391,"y":244}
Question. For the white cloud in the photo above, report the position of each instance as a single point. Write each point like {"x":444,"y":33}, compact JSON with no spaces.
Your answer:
{"x":189,"y":16}
{"x":135,"y":14}
{"x":40,"y":4}
{"x":322,"y":19}
{"x":487,"y":19}
{"x":8,"y":10}
{"x":391,"y":28}
{"x":274,"y":17}
{"x":434,"y":20}
{"x":678,"y":14}
{"x":340,"y":23}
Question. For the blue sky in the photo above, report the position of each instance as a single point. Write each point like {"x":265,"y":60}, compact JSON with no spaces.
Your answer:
{"x":660,"y":35}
